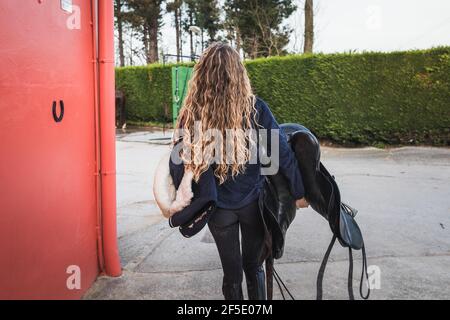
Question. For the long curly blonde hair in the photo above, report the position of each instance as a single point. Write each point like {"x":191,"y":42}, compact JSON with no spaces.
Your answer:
{"x":219,"y":97}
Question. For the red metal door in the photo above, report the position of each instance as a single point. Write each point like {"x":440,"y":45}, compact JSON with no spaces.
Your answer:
{"x":48,"y":202}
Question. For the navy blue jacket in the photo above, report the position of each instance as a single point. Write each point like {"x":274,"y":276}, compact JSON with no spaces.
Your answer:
{"x":235,"y":192}
{"x":194,"y":217}
{"x":244,"y":188}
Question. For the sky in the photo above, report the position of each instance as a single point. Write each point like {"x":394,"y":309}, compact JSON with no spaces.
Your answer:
{"x":362,"y":25}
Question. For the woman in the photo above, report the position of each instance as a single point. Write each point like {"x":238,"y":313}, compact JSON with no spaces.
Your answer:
{"x":220,"y":98}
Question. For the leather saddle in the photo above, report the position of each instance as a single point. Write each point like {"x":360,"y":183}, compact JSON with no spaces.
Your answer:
{"x":322,"y":193}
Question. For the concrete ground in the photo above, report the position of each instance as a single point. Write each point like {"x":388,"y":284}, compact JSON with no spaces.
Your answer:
{"x":403,"y":198}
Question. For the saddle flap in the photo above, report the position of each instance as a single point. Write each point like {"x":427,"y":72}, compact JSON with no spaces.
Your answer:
{"x":350,"y":234}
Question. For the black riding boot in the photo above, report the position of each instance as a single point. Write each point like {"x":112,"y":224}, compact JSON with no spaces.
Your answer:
{"x":256,"y":285}
{"x":232,"y":291}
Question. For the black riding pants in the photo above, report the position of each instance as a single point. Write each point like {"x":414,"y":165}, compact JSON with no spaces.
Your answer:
{"x":224,"y":225}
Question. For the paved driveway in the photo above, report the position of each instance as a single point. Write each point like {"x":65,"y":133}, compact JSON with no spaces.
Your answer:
{"x":403,"y":198}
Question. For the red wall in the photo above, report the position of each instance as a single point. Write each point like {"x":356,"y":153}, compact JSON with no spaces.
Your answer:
{"x":48,"y":192}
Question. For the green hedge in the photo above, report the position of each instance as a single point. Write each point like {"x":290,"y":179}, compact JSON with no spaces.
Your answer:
{"x":368,"y":98}
{"x":147,"y":90}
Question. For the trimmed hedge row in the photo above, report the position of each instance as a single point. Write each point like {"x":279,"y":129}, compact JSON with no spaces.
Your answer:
{"x":147,"y":90}
{"x":368,"y":98}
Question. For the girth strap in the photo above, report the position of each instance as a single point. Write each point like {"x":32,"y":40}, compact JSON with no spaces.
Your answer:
{"x":350,"y":273}
{"x":351,"y":296}
{"x":322,"y":269}
{"x":278,"y":280}
{"x":269,"y":277}
{"x":271,"y":274}
{"x":364,"y":270}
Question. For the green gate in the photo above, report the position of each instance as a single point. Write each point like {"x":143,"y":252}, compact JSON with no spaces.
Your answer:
{"x":180,"y":80}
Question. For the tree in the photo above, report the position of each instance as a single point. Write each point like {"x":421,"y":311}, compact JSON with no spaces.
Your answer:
{"x":145,"y":16}
{"x":189,"y":21}
{"x":204,"y":14}
{"x":175,"y":7}
{"x":207,"y":18}
{"x":309,"y":27}
{"x":118,"y":5}
{"x":257,"y":25}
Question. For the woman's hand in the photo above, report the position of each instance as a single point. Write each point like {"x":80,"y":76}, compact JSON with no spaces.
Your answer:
{"x":301,"y":203}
